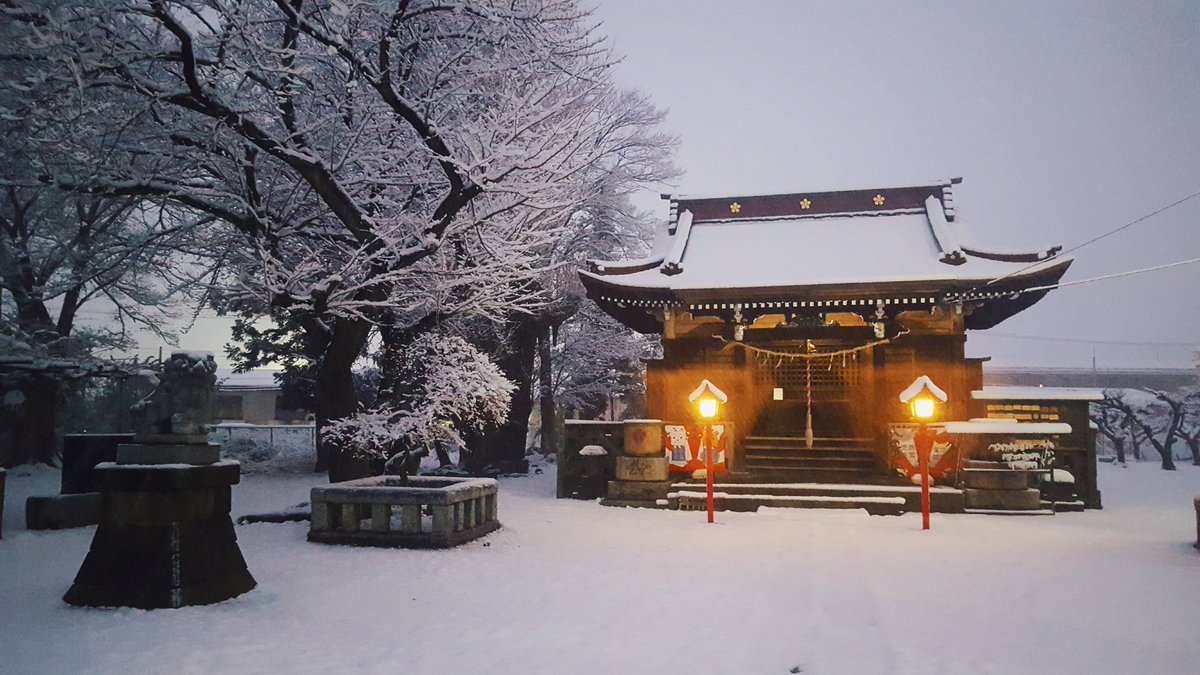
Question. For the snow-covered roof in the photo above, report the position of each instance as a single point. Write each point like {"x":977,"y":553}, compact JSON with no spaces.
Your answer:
{"x":812,"y":251}
{"x":704,"y":386}
{"x":1038,"y":394}
{"x":1007,"y":427}
{"x":861,"y":247}
{"x":922,"y":382}
{"x":253,"y":380}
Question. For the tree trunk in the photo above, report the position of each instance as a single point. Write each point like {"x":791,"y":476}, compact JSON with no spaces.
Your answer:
{"x":546,"y":394}
{"x":504,"y":447}
{"x":1119,"y":446}
{"x":1164,"y":451}
{"x":335,"y":398}
{"x":1193,"y":443}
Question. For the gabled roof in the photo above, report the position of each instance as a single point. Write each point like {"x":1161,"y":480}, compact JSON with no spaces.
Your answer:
{"x":900,"y":248}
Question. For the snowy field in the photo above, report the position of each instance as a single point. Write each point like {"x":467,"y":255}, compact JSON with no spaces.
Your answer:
{"x":573,"y":587}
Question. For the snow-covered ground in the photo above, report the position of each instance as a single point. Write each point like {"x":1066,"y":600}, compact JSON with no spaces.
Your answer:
{"x":574,"y":587}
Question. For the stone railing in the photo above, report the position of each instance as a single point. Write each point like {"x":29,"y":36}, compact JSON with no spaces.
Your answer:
{"x":428,"y":512}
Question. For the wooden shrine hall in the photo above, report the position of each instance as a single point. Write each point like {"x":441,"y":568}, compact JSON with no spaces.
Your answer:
{"x":813,"y":311}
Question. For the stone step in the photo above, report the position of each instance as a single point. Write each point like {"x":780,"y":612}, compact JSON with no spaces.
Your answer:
{"x":1005,"y":512}
{"x":942,"y":499}
{"x":723,"y":501}
{"x":806,"y":474}
{"x":1003,"y":500}
{"x":806,"y":453}
{"x":828,"y":462}
{"x":800,"y":442}
{"x":995,"y":479}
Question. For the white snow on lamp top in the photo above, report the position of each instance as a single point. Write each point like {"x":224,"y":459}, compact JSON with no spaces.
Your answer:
{"x":711,"y":388}
{"x":922,"y":382}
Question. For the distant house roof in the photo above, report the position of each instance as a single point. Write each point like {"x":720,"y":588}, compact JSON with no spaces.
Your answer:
{"x":253,"y":380}
{"x":900,"y":248}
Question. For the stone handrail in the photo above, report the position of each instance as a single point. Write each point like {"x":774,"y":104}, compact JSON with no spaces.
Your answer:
{"x":462,"y":509}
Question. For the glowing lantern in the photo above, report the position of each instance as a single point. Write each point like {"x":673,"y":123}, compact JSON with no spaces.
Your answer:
{"x":708,"y":400}
{"x":923,"y":398}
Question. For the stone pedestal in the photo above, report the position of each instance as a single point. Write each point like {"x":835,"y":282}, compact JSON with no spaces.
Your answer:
{"x":81,"y":453}
{"x":165,"y":538}
{"x":991,"y":487}
{"x":642,"y":477}
{"x":79,"y":503}
{"x":643,"y":438}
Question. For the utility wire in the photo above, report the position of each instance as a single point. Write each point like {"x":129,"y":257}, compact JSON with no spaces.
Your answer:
{"x":1095,"y":239}
{"x":1046,"y":338}
{"x":1110,"y":276}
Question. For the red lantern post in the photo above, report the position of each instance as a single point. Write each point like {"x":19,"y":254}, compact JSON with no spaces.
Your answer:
{"x":923,"y":398}
{"x":708,"y":400}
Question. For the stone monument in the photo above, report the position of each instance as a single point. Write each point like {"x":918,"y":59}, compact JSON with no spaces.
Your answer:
{"x":165,"y":538}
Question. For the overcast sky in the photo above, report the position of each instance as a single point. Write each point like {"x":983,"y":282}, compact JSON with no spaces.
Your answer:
{"x":1065,"y":119}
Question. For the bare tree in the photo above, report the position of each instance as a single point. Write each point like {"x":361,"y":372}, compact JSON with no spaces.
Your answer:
{"x":1112,"y":418}
{"x":1189,"y":430}
{"x":134,"y":260}
{"x":1171,"y":416}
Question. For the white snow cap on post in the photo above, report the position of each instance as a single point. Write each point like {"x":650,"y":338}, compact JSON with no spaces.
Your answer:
{"x":709,"y":386}
{"x":922,"y":382}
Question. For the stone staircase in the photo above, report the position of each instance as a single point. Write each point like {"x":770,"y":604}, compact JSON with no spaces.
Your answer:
{"x":787,"y":458}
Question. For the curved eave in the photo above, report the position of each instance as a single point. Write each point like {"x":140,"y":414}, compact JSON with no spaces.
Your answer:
{"x":635,"y":306}
{"x":631,"y":305}
{"x":1009,"y":297}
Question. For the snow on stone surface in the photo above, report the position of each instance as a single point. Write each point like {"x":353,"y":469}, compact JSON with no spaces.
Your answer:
{"x":1038,"y":394}
{"x":592,"y":451}
{"x":832,"y":487}
{"x":786,"y":498}
{"x":1059,"y":476}
{"x":574,"y":587}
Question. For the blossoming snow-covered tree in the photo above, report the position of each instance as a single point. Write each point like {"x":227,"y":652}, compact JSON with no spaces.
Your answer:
{"x":391,"y":166}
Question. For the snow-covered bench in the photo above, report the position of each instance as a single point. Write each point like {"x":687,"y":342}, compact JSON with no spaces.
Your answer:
{"x":428,"y":512}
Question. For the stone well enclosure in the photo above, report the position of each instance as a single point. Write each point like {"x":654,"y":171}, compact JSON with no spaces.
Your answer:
{"x":383,"y":511}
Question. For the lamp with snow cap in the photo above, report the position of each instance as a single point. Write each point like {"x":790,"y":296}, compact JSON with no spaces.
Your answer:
{"x":708,"y":400}
{"x":925,"y":401}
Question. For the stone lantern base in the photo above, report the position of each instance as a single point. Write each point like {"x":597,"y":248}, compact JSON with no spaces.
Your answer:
{"x":165,"y":538}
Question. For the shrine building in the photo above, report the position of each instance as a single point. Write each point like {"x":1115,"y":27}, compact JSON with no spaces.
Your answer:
{"x":813,"y":311}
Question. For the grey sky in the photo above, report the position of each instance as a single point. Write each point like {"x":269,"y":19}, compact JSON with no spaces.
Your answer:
{"x":1066,"y":119}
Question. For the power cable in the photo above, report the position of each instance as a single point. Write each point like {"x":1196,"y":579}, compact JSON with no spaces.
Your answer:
{"x":1130,"y":343}
{"x":1095,"y":239}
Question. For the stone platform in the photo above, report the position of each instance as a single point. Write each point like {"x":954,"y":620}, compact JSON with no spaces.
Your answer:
{"x":384,"y":511}
{"x":881,"y":499}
